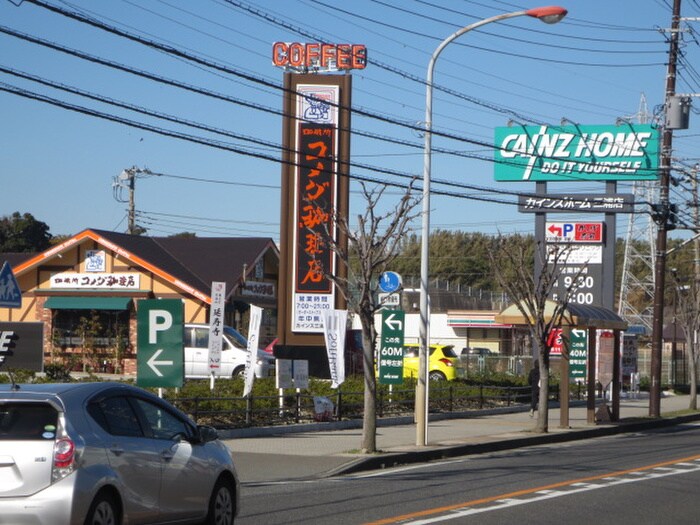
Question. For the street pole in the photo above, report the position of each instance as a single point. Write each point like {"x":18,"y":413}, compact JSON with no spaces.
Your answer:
{"x":549,"y":15}
{"x":662,"y":232}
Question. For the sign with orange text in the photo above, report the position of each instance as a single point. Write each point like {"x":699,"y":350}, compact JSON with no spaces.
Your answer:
{"x":315,"y":56}
{"x":315,"y":189}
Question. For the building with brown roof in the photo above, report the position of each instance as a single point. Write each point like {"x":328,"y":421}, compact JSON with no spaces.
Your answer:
{"x":85,"y":291}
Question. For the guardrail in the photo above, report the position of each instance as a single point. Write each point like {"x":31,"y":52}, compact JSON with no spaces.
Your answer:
{"x":297,"y":407}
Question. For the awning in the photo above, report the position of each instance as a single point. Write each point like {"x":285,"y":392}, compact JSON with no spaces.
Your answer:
{"x":88,"y":303}
{"x":575,"y":315}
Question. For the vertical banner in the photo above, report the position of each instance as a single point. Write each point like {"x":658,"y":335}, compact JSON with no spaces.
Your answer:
{"x":334,"y":327}
{"x":216,"y":325}
{"x":315,"y":190}
{"x":252,"y":350}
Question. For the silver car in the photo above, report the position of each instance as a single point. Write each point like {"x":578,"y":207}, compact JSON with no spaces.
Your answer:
{"x":108,"y":454}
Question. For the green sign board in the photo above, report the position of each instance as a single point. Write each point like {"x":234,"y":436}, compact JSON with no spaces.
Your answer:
{"x":577,"y":153}
{"x":160,"y":343}
{"x":391,"y":350}
{"x":578,"y":353}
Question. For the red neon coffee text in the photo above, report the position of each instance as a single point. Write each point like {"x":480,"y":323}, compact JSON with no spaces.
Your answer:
{"x":323,"y":56}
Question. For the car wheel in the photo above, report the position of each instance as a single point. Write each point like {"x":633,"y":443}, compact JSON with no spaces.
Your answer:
{"x":221,"y":504}
{"x":436,"y":375}
{"x":103,"y":511}
{"x":238,"y":372}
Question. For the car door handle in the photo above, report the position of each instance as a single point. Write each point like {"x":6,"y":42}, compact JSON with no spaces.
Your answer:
{"x":116,"y":450}
{"x":167,"y":454}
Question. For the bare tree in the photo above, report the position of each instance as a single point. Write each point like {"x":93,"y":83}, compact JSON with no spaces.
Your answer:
{"x":688,"y":316}
{"x":512,"y":266}
{"x":372,"y":247}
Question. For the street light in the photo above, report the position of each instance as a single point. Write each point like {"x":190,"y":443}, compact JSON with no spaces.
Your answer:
{"x":548,"y":15}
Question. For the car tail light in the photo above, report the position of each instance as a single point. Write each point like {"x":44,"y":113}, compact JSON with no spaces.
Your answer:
{"x":446,"y":362}
{"x":63,"y":458}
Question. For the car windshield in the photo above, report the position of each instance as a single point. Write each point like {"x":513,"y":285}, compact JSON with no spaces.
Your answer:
{"x":238,"y":340}
{"x":27,"y":421}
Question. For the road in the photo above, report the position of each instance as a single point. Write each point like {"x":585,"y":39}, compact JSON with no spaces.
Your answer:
{"x":644,"y":478}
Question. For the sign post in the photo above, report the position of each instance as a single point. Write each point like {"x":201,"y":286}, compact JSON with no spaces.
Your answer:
{"x":391,"y":349}
{"x":159,"y":335}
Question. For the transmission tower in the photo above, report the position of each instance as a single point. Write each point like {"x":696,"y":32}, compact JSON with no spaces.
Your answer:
{"x":637,"y":283}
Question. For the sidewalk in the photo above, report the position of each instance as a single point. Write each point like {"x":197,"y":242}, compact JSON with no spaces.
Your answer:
{"x":311,"y":451}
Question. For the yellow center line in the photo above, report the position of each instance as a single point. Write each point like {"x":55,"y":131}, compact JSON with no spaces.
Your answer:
{"x":517,"y":493}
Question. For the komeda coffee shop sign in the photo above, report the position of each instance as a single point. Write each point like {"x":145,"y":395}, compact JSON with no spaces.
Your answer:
{"x":571,"y":153}
{"x":316,"y":56}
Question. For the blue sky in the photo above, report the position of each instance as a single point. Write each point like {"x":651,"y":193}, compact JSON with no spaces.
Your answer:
{"x":60,"y":165}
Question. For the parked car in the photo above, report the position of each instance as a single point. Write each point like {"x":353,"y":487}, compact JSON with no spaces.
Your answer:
{"x":233,"y":354}
{"x":108,"y":453}
{"x":477,"y":351}
{"x":442,"y":362}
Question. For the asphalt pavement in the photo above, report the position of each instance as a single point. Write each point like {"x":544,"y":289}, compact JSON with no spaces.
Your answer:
{"x":298,"y":452}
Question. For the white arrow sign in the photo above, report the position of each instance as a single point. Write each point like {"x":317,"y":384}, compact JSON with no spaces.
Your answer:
{"x":394,"y":324}
{"x":578,"y":333}
{"x":154,"y":364}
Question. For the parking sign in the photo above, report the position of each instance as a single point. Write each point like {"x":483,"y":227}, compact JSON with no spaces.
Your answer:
{"x":160,"y":360}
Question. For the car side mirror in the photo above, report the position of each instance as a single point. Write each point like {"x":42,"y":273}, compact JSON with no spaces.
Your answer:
{"x":207,"y":434}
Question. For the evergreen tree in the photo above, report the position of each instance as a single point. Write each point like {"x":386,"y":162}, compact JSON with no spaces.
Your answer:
{"x":23,"y":233}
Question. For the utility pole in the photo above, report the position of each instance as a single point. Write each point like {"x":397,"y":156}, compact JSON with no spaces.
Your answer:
{"x":132,"y":203}
{"x":662,"y":233}
{"x":118,"y":185}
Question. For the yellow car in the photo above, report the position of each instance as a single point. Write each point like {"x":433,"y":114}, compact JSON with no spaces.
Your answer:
{"x":442,"y":363}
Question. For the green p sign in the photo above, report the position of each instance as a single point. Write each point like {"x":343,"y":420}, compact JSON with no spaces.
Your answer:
{"x":391,"y":349}
{"x":159,"y":336}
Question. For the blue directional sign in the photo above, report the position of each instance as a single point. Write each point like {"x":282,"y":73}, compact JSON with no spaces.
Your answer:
{"x":10,"y":293}
{"x":390,"y":282}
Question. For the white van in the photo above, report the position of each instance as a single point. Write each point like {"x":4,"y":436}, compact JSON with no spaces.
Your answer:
{"x":233,"y":354}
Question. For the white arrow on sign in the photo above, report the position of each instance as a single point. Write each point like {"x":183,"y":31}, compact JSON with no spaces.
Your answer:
{"x":394,"y":324}
{"x":578,"y":333}
{"x":154,"y":364}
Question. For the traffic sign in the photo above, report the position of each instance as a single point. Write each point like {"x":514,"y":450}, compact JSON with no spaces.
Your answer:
{"x":159,"y":360}
{"x":390,"y":282}
{"x":391,"y":350}
{"x":390,"y":299}
{"x":10,"y":293}
{"x":578,"y":354}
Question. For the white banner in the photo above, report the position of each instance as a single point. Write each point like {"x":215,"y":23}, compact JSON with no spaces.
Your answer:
{"x":216,"y":324}
{"x":252,"y":350}
{"x":334,"y":326}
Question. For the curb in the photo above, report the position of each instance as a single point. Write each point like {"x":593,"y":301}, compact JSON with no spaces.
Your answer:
{"x":394,"y":459}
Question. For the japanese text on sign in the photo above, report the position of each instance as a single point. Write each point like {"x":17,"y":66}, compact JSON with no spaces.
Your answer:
{"x":104,"y":281}
{"x":314,"y":207}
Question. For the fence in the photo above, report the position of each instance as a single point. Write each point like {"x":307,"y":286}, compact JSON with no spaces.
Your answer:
{"x":238,"y":412}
